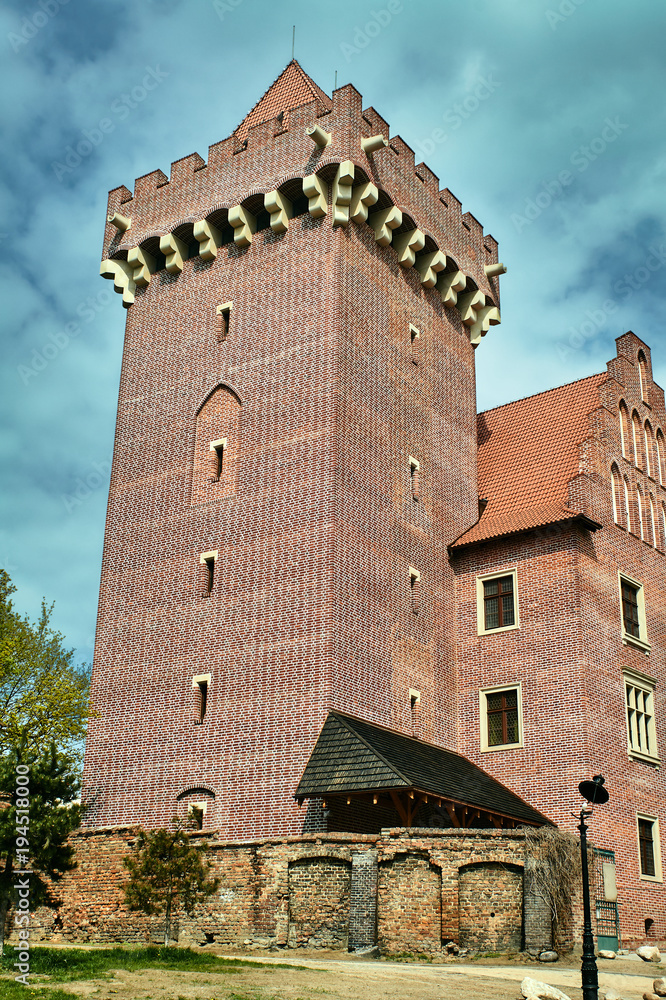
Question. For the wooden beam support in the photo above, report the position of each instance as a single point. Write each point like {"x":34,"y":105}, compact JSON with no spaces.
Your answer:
{"x":400,"y":809}
{"x":451,"y":810}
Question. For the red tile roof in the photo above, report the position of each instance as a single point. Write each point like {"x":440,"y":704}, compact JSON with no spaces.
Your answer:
{"x":528,"y":451}
{"x":292,"y":88}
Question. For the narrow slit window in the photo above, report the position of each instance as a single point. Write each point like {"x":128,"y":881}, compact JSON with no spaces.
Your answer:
{"x":223,"y":313}
{"x":415,"y":339}
{"x":216,"y":460}
{"x":207,"y":573}
{"x":415,"y":478}
{"x":200,"y":687}
{"x":415,"y":589}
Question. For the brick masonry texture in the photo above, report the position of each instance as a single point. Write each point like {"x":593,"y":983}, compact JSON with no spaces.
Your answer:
{"x":315,"y":388}
{"x":408,"y":890}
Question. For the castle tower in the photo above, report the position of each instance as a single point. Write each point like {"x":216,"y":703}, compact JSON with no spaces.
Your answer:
{"x":295,"y":449}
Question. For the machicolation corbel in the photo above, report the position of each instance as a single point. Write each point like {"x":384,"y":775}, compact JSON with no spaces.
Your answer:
{"x":208,"y":238}
{"x":384,"y":222}
{"x":244,"y":225}
{"x":363,"y":195}
{"x":316,"y":191}
{"x":175,"y":252}
{"x":449,"y":286}
{"x":121,"y":272}
{"x":342,"y":193}
{"x":143,"y":265}
{"x":429,"y":266}
{"x":280,"y":209}
{"x":407,"y":245}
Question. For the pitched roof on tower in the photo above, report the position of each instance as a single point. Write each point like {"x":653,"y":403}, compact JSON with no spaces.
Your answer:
{"x":528,"y":451}
{"x":292,"y":88}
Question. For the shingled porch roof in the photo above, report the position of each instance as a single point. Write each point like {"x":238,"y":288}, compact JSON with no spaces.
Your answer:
{"x":352,"y":757}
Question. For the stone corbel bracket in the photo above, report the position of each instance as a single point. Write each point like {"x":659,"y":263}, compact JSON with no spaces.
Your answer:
{"x":316,"y":191}
{"x":175,"y":252}
{"x":244,"y":225}
{"x":280,"y":210}
{"x":209,"y":239}
{"x":449,"y":287}
{"x":384,"y":222}
{"x":486,"y":317}
{"x":429,"y":266}
{"x":342,"y":193}
{"x":407,"y":245}
{"x":468,"y":305}
{"x":363,"y":195}
{"x":143,"y":265}
{"x":123,"y":282}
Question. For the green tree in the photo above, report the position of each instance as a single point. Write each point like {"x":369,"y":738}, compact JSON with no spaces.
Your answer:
{"x":43,"y":693}
{"x":167,"y":875}
{"x":40,"y":808}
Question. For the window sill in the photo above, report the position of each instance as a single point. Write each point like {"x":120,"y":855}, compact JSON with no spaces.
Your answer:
{"x":631,"y":640}
{"x":495,"y":631}
{"x":652,"y":878}
{"x":644,"y":757}
{"x":502,"y":746}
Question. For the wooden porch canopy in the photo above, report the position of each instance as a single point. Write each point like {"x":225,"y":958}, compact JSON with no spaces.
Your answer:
{"x":357,"y":759}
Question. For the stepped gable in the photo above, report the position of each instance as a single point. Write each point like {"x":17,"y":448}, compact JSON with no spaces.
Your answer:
{"x":528,"y":451}
{"x":292,"y":88}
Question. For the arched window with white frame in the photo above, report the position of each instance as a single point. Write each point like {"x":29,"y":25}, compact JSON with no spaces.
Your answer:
{"x":618,"y":496}
{"x":661,"y":457}
{"x":651,"y":523}
{"x":641,"y":513}
{"x":625,"y":430}
{"x":644,"y":377}
{"x":637,"y":435}
{"x":649,"y":449}
{"x":627,"y":506}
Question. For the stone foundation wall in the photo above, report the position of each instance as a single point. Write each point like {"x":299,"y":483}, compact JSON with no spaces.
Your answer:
{"x":408,"y":891}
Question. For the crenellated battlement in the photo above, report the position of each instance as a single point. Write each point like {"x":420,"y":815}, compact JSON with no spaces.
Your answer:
{"x":332,"y":160}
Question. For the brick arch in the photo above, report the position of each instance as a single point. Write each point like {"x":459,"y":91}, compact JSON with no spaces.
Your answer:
{"x":195,"y":789}
{"x":319,"y":893}
{"x":660,"y":457}
{"x":490,"y":905}
{"x":409,"y":902}
{"x":215,"y":472}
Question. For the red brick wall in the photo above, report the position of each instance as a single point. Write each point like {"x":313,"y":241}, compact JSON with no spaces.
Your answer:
{"x":568,"y":655}
{"x":297,"y":891}
{"x":313,"y":521}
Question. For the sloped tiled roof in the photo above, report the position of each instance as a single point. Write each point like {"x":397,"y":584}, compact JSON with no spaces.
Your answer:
{"x":355,"y":756}
{"x":528,"y":451}
{"x":292,"y":88}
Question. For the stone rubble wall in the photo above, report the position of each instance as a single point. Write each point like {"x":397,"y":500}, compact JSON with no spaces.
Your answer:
{"x":406,"y":890}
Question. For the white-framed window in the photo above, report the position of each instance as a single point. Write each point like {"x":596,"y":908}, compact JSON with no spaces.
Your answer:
{"x":497,"y":601}
{"x":632,"y":613}
{"x":641,"y":730}
{"x":501,"y":717}
{"x":649,"y":847}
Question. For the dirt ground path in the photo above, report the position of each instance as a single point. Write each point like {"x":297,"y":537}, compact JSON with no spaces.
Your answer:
{"x":350,"y":979}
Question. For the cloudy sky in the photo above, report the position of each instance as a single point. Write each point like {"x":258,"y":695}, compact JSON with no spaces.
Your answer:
{"x":545,"y":117}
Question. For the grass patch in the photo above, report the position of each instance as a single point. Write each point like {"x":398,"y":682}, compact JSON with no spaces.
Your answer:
{"x":65,"y":965}
{"x":9,"y":990}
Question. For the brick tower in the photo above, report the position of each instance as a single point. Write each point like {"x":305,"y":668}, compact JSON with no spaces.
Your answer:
{"x":295,"y":449}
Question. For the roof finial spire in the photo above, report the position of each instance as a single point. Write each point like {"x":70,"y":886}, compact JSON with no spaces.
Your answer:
{"x":293,"y":40}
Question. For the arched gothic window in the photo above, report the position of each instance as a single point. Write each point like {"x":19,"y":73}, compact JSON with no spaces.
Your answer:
{"x":644,"y":377}
{"x":649,"y":450}
{"x":661,"y":458}
{"x":627,"y":506}
{"x":618,"y":496}
{"x":637,"y":439}
{"x":651,"y":523}
{"x":625,"y":431}
{"x":641,"y":513}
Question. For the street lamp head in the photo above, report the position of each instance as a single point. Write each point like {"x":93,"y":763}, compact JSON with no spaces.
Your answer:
{"x":594,"y":790}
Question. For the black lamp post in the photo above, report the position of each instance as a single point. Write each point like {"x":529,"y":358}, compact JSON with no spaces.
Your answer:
{"x":594,"y":792}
